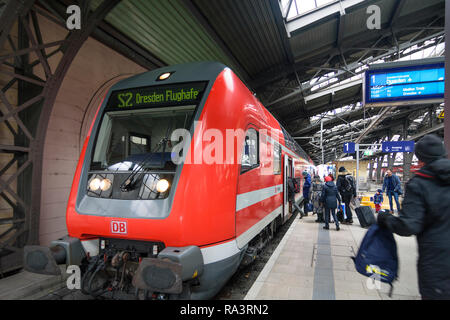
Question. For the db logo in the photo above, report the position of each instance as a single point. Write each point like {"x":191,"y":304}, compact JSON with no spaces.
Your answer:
{"x":119,"y":227}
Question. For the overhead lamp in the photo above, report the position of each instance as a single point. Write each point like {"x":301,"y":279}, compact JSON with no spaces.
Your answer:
{"x":165,"y":76}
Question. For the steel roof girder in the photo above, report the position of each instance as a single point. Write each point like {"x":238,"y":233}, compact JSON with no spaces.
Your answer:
{"x":307,"y":19}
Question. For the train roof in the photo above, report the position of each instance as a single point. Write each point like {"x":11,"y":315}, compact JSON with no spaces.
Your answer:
{"x":181,"y":73}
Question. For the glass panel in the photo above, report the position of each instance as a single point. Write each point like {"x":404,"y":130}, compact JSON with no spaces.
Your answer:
{"x":250,"y":156}
{"x":276,"y":159}
{"x":127,"y":138}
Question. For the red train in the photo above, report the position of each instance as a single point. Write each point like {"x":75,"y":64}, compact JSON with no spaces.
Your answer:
{"x":182,"y":178}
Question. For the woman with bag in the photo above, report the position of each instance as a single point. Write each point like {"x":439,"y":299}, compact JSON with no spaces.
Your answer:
{"x":330,"y":198}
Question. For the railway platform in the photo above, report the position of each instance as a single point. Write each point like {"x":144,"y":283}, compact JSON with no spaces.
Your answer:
{"x":311,"y":263}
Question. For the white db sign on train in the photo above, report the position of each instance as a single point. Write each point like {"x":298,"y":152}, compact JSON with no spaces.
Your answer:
{"x":119,"y":227}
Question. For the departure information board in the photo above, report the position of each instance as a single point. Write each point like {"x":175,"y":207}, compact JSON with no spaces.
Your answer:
{"x":157,"y":96}
{"x":405,"y":85}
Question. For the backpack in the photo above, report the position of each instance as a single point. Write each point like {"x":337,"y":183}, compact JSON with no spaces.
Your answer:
{"x":349,"y":183}
{"x":377,"y":256}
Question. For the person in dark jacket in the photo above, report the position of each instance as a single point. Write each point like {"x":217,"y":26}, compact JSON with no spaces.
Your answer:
{"x":306,"y":189}
{"x":291,"y":195}
{"x":425,"y":213}
{"x":315,"y":196}
{"x":393,"y":187}
{"x":347,"y":189}
{"x":330,"y":194}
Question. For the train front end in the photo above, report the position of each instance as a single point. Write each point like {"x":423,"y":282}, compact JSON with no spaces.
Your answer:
{"x":126,"y":228}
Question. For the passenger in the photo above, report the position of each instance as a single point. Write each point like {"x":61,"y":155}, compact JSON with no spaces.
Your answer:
{"x":316,"y":193}
{"x":393,"y":188}
{"x":378,"y":200}
{"x":346,"y":186}
{"x":425,"y":213}
{"x":291,"y":195}
{"x":330,"y":194}
{"x":331,"y":176}
{"x":306,"y":188}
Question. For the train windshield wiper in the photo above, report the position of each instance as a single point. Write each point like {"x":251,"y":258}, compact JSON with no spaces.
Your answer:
{"x":129,"y":183}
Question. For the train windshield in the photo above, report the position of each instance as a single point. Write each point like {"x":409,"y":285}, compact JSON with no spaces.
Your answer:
{"x":130,"y":138}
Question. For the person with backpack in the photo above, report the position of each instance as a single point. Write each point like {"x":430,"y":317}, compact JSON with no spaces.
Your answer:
{"x":425,"y":213}
{"x":393,"y":188}
{"x":306,"y":188}
{"x":330,"y":198}
{"x":347,"y":189}
{"x":316,"y":193}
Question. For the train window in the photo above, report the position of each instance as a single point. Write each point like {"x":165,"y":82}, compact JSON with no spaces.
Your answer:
{"x":276,"y":159}
{"x":250,"y":153}
{"x":139,"y":137}
{"x":139,"y":143}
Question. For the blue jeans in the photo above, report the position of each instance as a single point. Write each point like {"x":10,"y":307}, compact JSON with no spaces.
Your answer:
{"x":395,"y":195}
{"x":327,"y":216}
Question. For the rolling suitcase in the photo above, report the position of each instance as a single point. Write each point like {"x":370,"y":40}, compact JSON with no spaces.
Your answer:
{"x":365,"y":216}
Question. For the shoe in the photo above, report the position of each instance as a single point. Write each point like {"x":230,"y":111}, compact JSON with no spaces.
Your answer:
{"x":317,"y":220}
{"x":350,"y":221}
{"x":326,"y":228}
{"x":337,"y":228}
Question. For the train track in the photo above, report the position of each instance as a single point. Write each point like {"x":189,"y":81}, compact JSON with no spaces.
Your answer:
{"x":235,"y":289}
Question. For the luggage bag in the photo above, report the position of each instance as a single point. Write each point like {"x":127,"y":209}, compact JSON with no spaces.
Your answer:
{"x":365,"y":216}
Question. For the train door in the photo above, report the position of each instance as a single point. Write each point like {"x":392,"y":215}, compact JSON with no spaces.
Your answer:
{"x":287,"y":173}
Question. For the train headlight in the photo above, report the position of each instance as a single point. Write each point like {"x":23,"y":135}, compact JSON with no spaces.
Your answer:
{"x":95,"y":184}
{"x":162,"y":186}
{"x":155,"y":186}
{"x":105,"y":184}
{"x":100,"y":185}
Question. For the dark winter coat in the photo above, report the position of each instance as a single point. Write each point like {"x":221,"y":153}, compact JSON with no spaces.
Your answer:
{"x":395,"y":185}
{"x":426,"y":213}
{"x":306,"y":186}
{"x":329,"y":195}
{"x":291,"y":189}
{"x":341,"y":183}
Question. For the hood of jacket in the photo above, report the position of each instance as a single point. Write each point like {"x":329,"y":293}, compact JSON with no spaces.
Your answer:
{"x":439,"y":169}
{"x":330,"y":183}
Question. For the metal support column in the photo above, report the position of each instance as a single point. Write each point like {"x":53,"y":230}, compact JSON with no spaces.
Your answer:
{"x":379,"y":166}
{"x":27,"y":119}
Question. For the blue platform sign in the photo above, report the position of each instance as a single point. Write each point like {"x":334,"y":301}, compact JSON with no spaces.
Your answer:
{"x":398,"y":146}
{"x":410,"y":84}
{"x":349,"y":147}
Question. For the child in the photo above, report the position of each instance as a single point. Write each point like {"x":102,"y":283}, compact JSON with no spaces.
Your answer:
{"x":378,"y":200}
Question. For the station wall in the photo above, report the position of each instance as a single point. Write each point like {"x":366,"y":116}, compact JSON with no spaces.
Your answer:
{"x":95,"y":69}
{"x":350,"y":165}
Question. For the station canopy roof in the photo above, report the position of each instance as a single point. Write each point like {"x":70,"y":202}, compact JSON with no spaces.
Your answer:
{"x":304,"y":59}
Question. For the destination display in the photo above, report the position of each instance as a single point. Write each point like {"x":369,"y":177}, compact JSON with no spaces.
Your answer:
{"x":405,"y":85}
{"x":147,"y":97}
